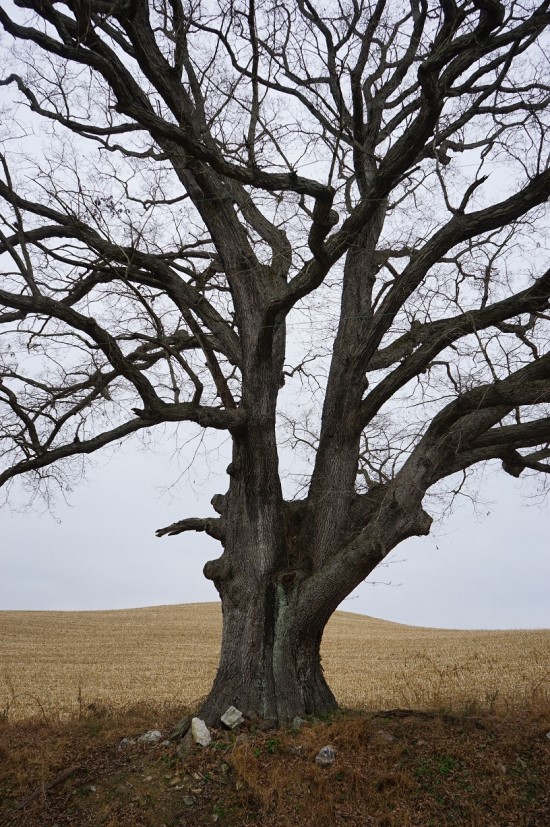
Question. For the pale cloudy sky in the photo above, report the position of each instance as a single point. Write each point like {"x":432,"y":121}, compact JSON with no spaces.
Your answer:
{"x":484,"y":570}
{"x":490,"y":570}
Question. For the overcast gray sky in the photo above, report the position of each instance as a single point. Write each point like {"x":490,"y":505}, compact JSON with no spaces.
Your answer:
{"x":490,"y":570}
{"x":485,"y":571}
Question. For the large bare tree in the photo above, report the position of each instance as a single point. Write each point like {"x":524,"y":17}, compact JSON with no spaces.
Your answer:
{"x":217,"y":211}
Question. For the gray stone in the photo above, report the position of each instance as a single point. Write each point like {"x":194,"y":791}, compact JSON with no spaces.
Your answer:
{"x":150,"y":737}
{"x":232,"y":717}
{"x":201,"y":734}
{"x":180,"y":729}
{"x":325,"y":757}
{"x":298,"y":722}
{"x":126,"y":742}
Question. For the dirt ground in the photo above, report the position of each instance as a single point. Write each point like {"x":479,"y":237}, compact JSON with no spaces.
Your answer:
{"x":392,"y":769}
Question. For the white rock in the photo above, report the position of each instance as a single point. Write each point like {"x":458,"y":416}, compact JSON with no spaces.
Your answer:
{"x":232,"y":717}
{"x":201,"y":734}
{"x":150,"y":737}
{"x":325,"y":757}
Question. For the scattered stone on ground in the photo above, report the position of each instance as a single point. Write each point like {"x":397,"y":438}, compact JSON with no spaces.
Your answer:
{"x":150,"y":737}
{"x":126,"y":742}
{"x":232,"y":717}
{"x":298,"y":722}
{"x":325,"y":757}
{"x":201,"y":733}
{"x":181,"y":728}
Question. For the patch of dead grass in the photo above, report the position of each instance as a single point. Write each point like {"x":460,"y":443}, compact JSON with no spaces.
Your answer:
{"x":393,"y":769}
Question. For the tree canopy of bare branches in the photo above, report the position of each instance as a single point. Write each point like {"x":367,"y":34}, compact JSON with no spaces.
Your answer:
{"x":318,"y":223}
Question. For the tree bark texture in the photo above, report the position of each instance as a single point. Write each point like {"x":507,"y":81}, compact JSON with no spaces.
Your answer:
{"x":270,"y":664}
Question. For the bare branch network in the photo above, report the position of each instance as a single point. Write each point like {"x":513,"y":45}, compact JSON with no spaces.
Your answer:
{"x":314,"y":224}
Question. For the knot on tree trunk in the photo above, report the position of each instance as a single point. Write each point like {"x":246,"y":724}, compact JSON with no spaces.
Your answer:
{"x":218,"y":503}
{"x":290,"y":578}
{"x":219,"y":570}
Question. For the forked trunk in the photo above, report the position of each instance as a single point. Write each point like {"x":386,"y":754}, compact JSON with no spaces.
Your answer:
{"x":270,"y":667}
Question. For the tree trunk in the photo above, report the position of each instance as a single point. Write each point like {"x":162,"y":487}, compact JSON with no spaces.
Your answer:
{"x":270,"y":665}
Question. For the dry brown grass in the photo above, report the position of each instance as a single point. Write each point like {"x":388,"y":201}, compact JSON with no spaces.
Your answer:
{"x":55,"y":664}
{"x":377,"y":664}
{"x":391,"y":770}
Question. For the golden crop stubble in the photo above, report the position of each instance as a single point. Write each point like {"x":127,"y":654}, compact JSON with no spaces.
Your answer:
{"x":55,"y":663}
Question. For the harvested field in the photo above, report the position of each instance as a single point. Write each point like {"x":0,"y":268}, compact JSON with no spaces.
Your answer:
{"x":57,"y":663}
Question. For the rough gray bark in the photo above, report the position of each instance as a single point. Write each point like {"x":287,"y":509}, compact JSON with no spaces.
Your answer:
{"x":182,"y":318}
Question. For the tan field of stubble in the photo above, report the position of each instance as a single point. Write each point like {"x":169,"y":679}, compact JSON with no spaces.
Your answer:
{"x":57,"y":663}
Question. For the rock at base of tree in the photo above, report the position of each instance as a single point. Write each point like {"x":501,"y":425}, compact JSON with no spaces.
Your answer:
{"x":201,"y":733}
{"x":232,"y":717}
{"x":150,"y":737}
{"x":180,"y":729}
{"x":325,"y":757}
{"x":298,"y":722}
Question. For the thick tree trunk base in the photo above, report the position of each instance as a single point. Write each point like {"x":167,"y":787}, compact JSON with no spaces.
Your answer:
{"x":315,"y":699}
{"x":269,"y":668}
